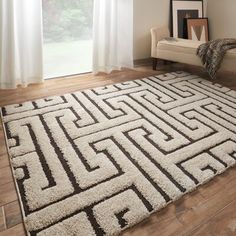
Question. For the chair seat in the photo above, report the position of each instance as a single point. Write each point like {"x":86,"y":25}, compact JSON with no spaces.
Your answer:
{"x":181,"y":45}
{"x":185,"y":46}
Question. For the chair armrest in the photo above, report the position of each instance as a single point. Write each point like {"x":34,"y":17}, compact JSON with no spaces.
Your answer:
{"x":157,"y":35}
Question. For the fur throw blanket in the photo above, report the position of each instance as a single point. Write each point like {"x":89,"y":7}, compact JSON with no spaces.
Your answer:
{"x":212,"y":54}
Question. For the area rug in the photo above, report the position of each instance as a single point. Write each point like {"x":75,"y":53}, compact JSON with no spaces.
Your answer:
{"x":99,"y":161}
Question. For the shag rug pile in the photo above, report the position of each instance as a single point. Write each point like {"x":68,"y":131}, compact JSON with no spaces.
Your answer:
{"x":98,"y":161}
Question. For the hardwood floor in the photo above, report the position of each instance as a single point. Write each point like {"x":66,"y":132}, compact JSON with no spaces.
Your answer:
{"x":208,"y":211}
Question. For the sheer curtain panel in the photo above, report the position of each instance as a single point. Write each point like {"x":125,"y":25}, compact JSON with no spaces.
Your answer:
{"x":20,"y":43}
{"x":112,"y":35}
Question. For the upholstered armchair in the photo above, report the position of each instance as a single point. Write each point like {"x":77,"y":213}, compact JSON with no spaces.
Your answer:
{"x":182,"y":50}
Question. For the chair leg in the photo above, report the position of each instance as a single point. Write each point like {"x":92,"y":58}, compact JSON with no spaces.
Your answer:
{"x":154,"y":63}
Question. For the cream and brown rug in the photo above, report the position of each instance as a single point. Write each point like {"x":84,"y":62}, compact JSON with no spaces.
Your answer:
{"x":99,"y":161}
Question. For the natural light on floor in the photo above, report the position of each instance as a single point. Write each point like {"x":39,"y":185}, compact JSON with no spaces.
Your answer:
{"x":67,"y":37}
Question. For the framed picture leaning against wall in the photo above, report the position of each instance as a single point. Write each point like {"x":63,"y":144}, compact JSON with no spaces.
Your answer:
{"x":198,"y":29}
{"x":180,"y":11}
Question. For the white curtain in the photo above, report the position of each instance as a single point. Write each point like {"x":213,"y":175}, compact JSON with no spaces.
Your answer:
{"x":112,"y":35}
{"x":20,"y":43}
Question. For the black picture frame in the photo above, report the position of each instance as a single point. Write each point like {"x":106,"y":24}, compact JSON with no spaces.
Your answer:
{"x":183,"y":34}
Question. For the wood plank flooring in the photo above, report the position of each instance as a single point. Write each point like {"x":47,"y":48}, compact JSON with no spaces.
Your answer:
{"x":208,"y":211}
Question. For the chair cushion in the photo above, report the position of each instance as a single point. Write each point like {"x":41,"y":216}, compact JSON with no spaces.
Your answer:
{"x":180,"y":45}
{"x":186,"y":46}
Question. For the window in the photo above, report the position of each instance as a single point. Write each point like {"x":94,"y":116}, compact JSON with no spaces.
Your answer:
{"x":67,"y":37}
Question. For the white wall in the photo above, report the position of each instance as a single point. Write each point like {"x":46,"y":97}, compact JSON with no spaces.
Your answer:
{"x":222,"y":18}
{"x":148,"y":14}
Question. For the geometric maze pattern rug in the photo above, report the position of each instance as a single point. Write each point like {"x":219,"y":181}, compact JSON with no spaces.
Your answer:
{"x":99,"y":161}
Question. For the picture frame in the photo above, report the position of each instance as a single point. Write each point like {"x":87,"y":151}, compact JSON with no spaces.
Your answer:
{"x":180,"y":10}
{"x":198,"y":29}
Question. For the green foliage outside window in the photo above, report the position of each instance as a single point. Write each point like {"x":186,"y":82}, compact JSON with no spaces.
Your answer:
{"x":67,"y":20}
